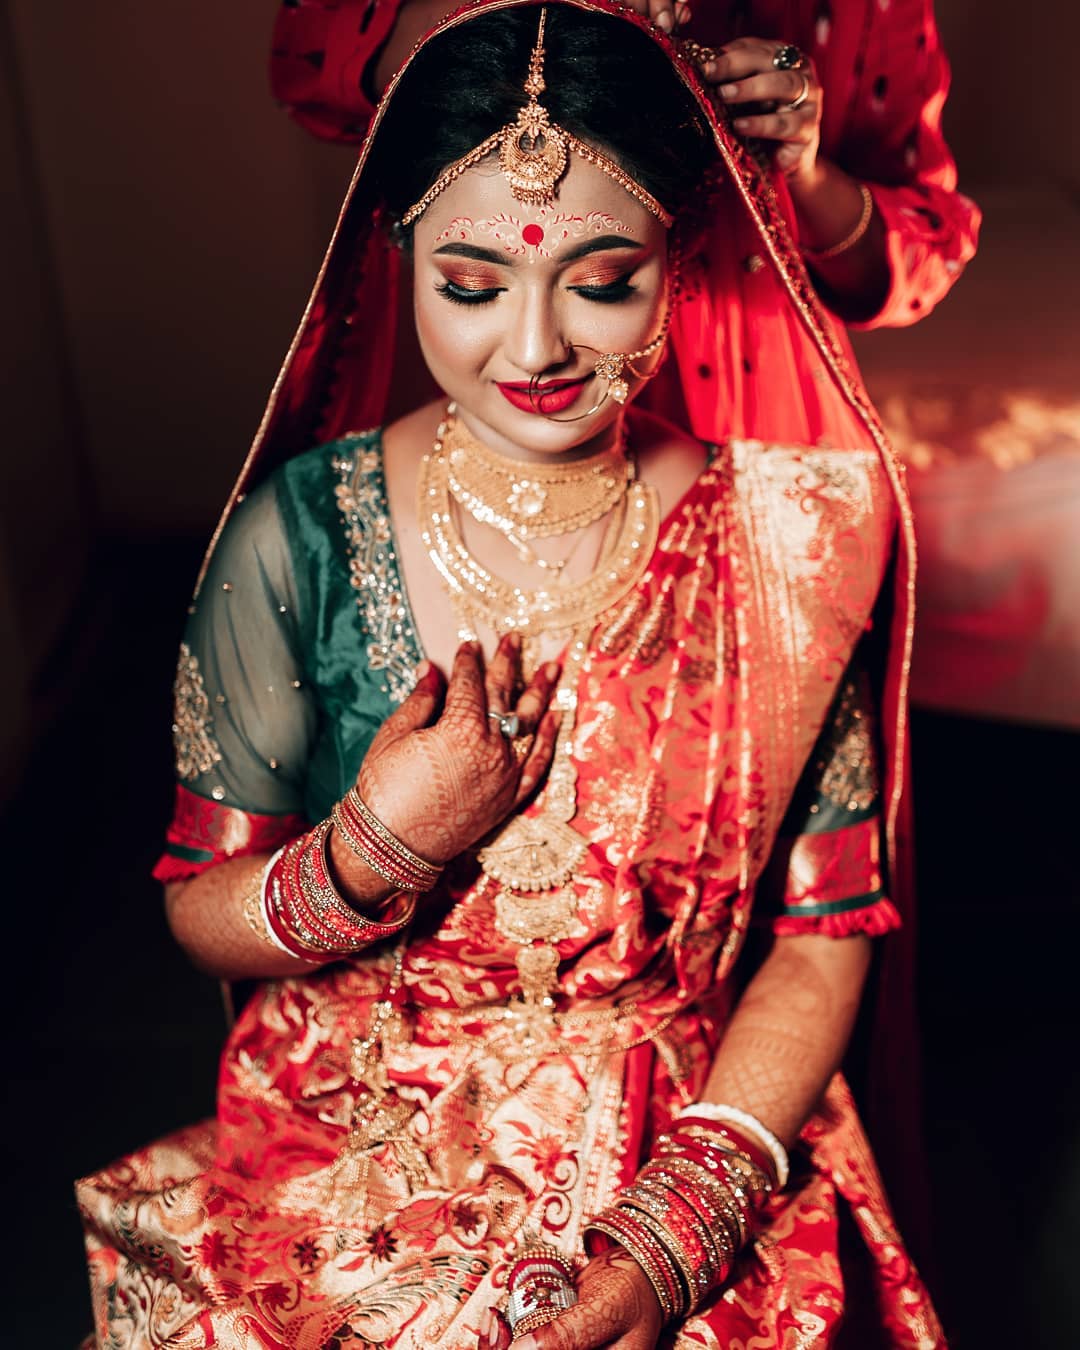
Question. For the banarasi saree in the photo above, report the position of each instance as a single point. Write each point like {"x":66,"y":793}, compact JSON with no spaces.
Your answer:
{"x":739,"y":748}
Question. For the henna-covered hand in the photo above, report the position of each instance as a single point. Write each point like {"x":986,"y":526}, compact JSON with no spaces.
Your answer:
{"x":616,"y":1306}
{"x":439,"y":772}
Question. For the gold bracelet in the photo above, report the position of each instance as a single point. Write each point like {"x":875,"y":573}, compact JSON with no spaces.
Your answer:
{"x":252,"y":907}
{"x":850,"y":240}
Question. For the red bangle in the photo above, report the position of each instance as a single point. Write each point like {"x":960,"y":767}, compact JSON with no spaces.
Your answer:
{"x":307,"y":915}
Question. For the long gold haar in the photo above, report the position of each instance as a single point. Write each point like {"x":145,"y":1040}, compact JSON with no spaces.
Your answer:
{"x":533,"y":858}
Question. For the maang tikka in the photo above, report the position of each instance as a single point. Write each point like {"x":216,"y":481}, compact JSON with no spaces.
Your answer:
{"x":534,"y":152}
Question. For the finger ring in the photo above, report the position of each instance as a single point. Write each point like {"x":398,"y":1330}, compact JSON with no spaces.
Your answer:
{"x":521,"y":745}
{"x":509,"y":723}
{"x":788,"y":57}
{"x":803,"y":95}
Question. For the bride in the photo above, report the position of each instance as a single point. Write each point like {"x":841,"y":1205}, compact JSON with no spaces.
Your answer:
{"x":528,"y":760}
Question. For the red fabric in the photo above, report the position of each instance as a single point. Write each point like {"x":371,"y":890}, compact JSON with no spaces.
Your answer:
{"x":220,"y":831}
{"x":882,"y":67}
{"x":833,"y":868}
{"x":320,"y":52}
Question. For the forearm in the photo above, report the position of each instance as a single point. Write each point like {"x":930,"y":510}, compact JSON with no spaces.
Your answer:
{"x":207,"y":914}
{"x":828,"y":204}
{"x":790,"y":1030}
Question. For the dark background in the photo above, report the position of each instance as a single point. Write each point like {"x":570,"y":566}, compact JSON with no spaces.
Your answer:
{"x":163,"y":221}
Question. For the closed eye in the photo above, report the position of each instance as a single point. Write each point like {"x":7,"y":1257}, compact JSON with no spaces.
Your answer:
{"x":468,"y":295}
{"x":610,"y":292}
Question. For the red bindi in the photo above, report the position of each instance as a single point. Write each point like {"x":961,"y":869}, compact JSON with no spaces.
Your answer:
{"x":532,"y":234}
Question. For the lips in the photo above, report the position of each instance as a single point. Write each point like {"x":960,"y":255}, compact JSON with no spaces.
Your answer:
{"x":552,"y":396}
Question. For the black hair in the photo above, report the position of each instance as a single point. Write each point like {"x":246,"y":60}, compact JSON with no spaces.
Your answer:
{"x":607,"y":83}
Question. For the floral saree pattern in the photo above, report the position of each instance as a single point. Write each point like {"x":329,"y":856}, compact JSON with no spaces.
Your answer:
{"x":295,"y":1220}
{"x":726,"y":774}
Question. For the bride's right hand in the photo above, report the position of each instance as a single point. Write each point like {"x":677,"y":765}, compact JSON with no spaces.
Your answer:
{"x":439,"y":773}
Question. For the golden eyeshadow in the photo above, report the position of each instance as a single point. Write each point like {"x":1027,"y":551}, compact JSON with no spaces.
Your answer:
{"x":606,"y":273}
{"x":597,"y":280}
{"x":471,"y":279}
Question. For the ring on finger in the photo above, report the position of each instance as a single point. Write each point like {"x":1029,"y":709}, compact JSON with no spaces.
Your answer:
{"x":521,"y":746}
{"x":788,"y":57}
{"x":803,"y":95}
{"x":509,"y":723}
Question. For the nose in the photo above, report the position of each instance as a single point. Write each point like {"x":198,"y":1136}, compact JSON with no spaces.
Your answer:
{"x":534,"y":342}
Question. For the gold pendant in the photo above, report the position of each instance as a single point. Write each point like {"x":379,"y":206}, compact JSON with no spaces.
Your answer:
{"x":533,"y":853}
{"x":538,"y":971}
{"x":549,"y":917}
{"x":529,"y":919}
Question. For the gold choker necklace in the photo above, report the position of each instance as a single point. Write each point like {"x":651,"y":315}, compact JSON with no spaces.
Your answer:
{"x":481,"y":597}
{"x":532,"y":501}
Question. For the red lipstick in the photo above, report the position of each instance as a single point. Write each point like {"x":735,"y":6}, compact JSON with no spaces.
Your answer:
{"x":553,"y":396}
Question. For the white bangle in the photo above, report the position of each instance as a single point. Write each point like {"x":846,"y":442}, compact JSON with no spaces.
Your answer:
{"x":732,"y":1115}
{"x":264,"y":905}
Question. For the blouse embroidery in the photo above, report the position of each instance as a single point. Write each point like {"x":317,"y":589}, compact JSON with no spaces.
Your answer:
{"x":392,"y":647}
{"x":850,"y":778}
{"x":197,"y":750}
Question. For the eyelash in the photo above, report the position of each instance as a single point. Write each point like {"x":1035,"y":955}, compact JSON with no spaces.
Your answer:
{"x":467,"y":295}
{"x":613,"y":293}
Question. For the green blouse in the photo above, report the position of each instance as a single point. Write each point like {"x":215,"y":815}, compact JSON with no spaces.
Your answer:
{"x":301,"y":640}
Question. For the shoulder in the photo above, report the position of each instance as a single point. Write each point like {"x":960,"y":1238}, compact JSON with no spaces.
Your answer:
{"x":801,"y":501}
{"x":332,"y":458}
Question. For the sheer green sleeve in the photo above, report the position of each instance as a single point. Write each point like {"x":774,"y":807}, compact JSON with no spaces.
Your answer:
{"x":244,"y":720}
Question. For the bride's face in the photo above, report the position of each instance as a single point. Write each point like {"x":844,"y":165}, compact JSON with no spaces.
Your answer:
{"x":505,"y":292}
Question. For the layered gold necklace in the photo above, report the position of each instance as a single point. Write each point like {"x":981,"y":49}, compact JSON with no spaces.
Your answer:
{"x":533,"y":858}
{"x":533,"y":501}
{"x":560,"y":498}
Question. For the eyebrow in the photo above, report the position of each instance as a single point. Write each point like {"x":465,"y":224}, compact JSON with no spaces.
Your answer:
{"x":490,"y":255}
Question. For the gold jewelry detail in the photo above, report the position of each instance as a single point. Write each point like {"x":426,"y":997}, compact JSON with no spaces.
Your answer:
{"x":532,"y":858}
{"x":849,"y":240}
{"x":533,"y":501}
{"x":429,"y":871}
{"x":802,"y":96}
{"x":534,"y":152}
{"x":252,"y":907}
{"x":481,"y":596}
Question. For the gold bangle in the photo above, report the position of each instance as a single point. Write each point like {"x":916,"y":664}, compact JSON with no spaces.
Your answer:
{"x":252,"y":907}
{"x":849,"y":241}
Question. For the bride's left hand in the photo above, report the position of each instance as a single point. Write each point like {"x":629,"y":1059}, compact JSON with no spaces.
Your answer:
{"x":616,"y":1307}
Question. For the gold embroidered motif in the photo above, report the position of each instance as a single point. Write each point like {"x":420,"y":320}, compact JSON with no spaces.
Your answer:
{"x":193,"y":725}
{"x":392,"y":644}
{"x":640,"y":629}
{"x":850,"y":774}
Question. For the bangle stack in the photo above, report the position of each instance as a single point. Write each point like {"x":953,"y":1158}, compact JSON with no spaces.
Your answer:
{"x":691,"y":1207}
{"x":382,"y":851}
{"x":748,"y":1135}
{"x":306,"y":917}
